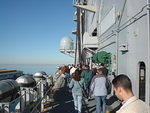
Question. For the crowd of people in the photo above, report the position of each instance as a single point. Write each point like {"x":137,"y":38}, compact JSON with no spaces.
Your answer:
{"x":86,"y":83}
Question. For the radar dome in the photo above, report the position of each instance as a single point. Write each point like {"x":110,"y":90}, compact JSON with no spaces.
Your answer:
{"x":66,"y":44}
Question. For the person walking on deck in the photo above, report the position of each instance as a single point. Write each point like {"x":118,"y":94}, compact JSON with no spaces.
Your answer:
{"x":61,"y":82}
{"x":105,"y":69}
{"x":76,"y":85}
{"x":123,"y":90}
{"x":98,"y":88}
{"x":87,"y":75}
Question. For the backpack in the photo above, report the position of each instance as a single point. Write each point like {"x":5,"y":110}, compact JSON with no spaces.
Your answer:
{"x":108,"y":86}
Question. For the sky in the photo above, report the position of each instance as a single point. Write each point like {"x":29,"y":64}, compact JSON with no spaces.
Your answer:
{"x":31,"y":30}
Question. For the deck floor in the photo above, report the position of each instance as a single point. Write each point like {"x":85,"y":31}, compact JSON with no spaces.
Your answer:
{"x":64,"y":104}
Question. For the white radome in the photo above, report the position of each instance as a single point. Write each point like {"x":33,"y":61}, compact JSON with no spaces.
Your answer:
{"x":66,"y":43}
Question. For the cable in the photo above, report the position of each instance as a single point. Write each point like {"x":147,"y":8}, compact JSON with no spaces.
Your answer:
{"x":134,"y":17}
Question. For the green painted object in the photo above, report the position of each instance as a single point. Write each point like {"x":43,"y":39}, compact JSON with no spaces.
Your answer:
{"x":101,"y":57}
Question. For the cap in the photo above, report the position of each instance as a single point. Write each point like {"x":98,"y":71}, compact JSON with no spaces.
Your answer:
{"x":102,"y":70}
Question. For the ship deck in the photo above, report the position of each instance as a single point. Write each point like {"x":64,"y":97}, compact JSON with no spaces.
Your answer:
{"x":64,"y":104}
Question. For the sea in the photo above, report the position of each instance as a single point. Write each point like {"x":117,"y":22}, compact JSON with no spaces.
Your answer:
{"x":50,"y":69}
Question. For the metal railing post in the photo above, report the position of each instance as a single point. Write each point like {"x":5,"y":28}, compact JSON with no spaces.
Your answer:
{"x":42,"y":96}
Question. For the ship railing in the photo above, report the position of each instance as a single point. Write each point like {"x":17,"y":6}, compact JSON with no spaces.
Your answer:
{"x":41,"y":101}
{"x":29,"y":100}
{"x":19,"y":104}
{"x":11,"y":107}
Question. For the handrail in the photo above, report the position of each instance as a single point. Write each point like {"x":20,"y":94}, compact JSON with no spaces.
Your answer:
{"x":40,"y":100}
{"x":22,"y":94}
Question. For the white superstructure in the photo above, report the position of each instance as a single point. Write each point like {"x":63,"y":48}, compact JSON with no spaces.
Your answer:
{"x":122,"y":29}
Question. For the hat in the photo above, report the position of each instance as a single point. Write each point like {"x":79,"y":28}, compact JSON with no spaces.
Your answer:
{"x":72,"y":70}
{"x":102,"y":70}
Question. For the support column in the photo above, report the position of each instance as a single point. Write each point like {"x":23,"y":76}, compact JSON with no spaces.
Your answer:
{"x":79,"y":33}
{"x":148,"y":66}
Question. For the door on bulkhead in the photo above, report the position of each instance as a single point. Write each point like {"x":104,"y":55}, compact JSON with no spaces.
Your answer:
{"x":142,"y":81}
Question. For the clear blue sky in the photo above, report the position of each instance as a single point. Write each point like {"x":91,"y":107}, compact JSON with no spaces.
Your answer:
{"x":30,"y":31}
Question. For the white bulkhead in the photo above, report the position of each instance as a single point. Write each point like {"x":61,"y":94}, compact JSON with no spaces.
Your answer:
{"x":123,"y":30}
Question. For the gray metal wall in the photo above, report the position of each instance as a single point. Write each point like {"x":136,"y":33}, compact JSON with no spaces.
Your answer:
{"x":134,"y":35}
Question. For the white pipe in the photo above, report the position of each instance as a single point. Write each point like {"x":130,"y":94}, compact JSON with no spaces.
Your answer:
{"x":42,"y":96}
{"x":148,"y":66}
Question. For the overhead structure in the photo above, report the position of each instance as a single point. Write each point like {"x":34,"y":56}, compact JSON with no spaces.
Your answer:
{"x":74,"y":32}
{"x":87,"y":7}
{"x":67,"y":46}
{"x":90,"y":41}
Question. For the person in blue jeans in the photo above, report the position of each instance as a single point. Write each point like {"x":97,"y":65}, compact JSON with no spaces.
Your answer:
{"x":99,"y":90}
{"x":76,"y":85}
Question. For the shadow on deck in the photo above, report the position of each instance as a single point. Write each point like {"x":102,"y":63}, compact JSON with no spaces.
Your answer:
{"x":64,"y":103}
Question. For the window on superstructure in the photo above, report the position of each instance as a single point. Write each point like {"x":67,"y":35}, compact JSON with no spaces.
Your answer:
{"x":94,"y":33}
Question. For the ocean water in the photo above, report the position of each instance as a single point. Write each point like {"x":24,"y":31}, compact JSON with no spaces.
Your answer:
{"x":32,"y":69}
